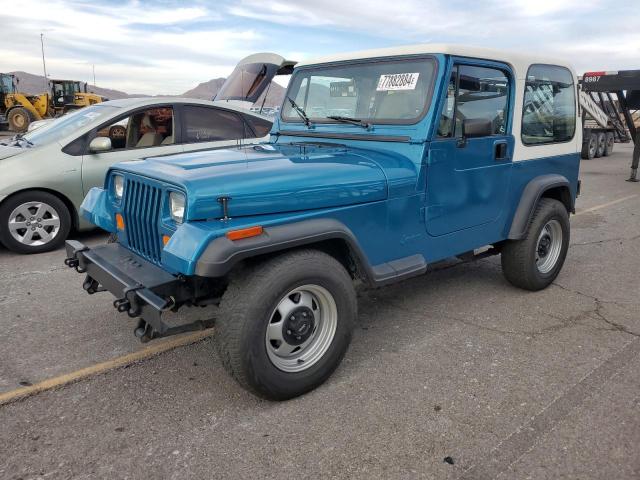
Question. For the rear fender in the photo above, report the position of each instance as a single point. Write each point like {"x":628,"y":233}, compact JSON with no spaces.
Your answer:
{"x":532,"y":193}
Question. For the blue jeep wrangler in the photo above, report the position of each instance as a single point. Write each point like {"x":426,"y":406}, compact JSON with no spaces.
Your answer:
{"x":379,"y":164}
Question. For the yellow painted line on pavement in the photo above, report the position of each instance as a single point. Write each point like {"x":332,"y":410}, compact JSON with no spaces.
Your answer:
{"x":605,"y":205}
{"x":102,"y":367}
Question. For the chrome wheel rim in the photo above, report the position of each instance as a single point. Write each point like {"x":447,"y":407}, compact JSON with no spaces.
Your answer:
{"x":34,"y":223}
{"x":301,"y":328}
{"x":549,"y":246}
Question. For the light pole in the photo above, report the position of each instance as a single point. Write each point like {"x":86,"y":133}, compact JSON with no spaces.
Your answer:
{"x":44,"y":65}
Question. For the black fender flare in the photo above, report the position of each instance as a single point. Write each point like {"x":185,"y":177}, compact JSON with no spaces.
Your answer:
{"x":222,"y":254}
{"x":529,"y":199}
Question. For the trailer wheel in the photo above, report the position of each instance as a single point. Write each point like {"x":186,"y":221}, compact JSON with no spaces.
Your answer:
{"x":609,"y":143}
{"x":533,"y":262}
{"x":601,"y":144}
{"x":285,"y":324}
{"x":589,"y":146}
{"x":19,"y":119}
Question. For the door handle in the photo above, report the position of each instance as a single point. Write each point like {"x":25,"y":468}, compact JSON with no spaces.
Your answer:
{"x":500,"y":151}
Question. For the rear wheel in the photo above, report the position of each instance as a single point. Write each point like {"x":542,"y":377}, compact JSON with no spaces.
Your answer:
{"x":601,"y":144}
{"x":33,"y":222}
{"x":534,"y":262}
{"x":609,"y":143}
{"x":590,"y":146}
{"x":285,"y":325}
{"x":19,"y":119}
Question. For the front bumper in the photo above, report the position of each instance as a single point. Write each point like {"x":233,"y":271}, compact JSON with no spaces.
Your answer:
{"x":141,"y":288}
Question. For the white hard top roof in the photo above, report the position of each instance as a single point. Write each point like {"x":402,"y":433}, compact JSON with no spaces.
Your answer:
{"x":519,"y":61}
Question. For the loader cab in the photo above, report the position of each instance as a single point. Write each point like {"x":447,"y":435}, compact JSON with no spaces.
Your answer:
{"x":7,"y":87}
{"x":7,"y":83}
{"x":63,"y":92}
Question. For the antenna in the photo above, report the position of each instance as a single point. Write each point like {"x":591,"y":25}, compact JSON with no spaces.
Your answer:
{"x":44,"y":65}
{"x":94,"y":74}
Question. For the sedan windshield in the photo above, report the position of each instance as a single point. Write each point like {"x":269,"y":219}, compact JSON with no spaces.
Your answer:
{"x":63,"y":126}
{"x":396,"y":91}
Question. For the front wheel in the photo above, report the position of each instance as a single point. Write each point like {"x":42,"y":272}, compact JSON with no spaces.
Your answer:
{"x":33,"y":222}
{"x":19,"y":119}
{"x":535,"y":261}
{"x":285,"y":325}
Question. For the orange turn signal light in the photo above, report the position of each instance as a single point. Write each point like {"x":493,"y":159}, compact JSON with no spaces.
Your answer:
{"x":244,"y":233}
{"x":165,"y":239}
{"x":119,"y":222}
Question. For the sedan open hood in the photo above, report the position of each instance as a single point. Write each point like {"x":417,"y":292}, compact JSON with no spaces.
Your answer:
{"x":251,"y":78}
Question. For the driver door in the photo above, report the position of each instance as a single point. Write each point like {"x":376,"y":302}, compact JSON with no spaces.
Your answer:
{"x":144,"y":133}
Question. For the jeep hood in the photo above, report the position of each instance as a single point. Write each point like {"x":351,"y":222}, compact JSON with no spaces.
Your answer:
{"x":265,"y":179}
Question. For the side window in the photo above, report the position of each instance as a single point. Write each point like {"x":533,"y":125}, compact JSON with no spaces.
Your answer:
{"x":475,"y":93}
{"x":447,"y":118}
{"x":205,"y":124}
{"x":549,"y":110}
{"x":148,"y":128}
{"x":260,"y":126}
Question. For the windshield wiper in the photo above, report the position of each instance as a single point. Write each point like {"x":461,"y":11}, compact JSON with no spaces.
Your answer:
{"x":352,"y":121}
{"x":19,"y":137}
{"x":300,"y":111}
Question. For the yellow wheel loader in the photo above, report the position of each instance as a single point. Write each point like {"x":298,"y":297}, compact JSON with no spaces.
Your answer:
{"x":18,"y":109}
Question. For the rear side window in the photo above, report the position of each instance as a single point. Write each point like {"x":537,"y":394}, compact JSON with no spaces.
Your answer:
{"x":204,"y":124}
{"x":259,"y":125}
{"x":549,"y":110}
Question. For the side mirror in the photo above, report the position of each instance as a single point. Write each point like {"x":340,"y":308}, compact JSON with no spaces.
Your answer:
{"x":100,"y":144}
{"x":476,"y":127}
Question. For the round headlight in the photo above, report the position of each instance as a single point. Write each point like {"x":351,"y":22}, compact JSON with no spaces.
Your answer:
{"x":176,"y":206}
{"x":118,"y":186}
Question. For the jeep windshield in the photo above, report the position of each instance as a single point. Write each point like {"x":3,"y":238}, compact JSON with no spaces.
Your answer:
{"x":392,"y":92}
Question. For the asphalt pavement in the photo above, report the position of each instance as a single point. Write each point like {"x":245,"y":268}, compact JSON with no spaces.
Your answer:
{"x":455,"y":374}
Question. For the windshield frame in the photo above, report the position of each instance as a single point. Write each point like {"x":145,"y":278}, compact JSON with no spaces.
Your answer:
{"x":373,"y":60}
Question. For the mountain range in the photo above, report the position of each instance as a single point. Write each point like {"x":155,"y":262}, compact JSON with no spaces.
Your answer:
{"x":35,"y":84}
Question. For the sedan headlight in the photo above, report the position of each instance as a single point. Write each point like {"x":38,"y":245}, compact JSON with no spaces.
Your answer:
{"x":118,"y":186}
{"x":176,"y":206}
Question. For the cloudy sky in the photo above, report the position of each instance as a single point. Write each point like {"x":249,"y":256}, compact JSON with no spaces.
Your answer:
{"x":170,"y":46}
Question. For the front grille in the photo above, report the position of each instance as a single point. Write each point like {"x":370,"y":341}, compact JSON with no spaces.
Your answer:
{"x":141,"y":210}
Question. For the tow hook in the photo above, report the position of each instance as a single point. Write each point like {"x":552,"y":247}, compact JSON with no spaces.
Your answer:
{"x":92,"y":286}
{"x":122,"y":305}
{"x":73,"y":262}
{"x":143,"y":331}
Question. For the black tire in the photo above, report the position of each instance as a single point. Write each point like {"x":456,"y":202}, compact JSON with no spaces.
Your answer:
{"x":610,"y":141}
{"x":247,"y":309}
{"x":19,"y":119}
{"x":519,"y":256}
{"x":589,"y":146}
{"x":22,"y":198}
{"x":602,"y":144}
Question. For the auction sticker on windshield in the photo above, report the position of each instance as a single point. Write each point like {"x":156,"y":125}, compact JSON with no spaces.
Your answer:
{"x":397,"y":81}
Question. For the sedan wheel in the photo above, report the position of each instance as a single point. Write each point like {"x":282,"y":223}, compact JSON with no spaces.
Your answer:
{"x":34,"y":223}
